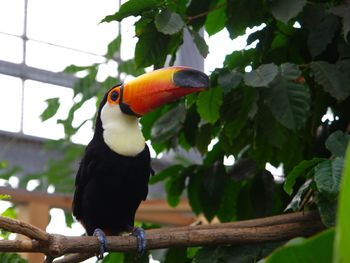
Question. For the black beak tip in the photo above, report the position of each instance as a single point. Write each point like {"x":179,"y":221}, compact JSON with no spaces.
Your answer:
{"x":191,"y":78}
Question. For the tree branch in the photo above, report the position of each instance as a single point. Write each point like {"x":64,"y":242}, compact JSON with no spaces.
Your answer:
{"x":275,"y":228}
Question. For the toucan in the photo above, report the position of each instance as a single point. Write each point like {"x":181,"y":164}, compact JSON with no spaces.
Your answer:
{"x":113,"y":175}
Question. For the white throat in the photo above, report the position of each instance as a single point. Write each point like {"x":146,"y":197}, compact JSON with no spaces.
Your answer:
{"x":121,"y":132}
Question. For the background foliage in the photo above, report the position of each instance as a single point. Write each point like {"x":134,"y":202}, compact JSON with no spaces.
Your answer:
{"x":272,"y":114}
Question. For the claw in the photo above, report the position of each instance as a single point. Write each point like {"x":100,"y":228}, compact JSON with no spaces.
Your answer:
{"x":103,"y":242}
{"x":139,"y":233}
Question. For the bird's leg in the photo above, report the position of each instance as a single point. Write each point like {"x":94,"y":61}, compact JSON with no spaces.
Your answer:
{"x":140,"y":235}
{"x":103,"y":242}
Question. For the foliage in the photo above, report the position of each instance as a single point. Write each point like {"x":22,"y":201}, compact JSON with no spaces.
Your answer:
{"x":342,"y":236}
{"x":272,"y":114}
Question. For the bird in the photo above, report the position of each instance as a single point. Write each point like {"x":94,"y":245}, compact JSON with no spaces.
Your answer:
{"x":112,"y":178}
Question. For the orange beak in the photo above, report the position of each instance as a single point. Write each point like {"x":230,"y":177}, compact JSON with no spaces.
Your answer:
{"x":151,"y":90}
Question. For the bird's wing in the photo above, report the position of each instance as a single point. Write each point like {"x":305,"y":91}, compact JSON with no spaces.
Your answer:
{"x":85,"y":171}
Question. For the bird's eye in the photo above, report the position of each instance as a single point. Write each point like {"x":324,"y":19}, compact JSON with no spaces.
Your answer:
{"x":114,"y":95}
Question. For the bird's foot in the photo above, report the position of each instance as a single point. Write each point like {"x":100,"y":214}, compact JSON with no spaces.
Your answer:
{"x":140,"y":235}
{"x":103,"y":242}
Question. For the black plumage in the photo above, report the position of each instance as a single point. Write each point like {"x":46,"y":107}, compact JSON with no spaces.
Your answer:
{"x":109,"y":186}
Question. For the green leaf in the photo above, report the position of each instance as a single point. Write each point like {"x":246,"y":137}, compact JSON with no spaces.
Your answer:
{"x":200,"y":43}
{"x":11,"y":258}
{"x":299,"y":170}
{"x":331,"y":79}
{"x":168,"y":172}
{"x":337,"y":142}
{"x":322,"y":34}
{"x":3,"y":164}
{"x":193,"y":188}
{"x":154,"y":44}
{"x":328,"y":176}
{"x":168,"y":125}
{"x":216,"y":19}
{"x":10,"y":212}
{"x":327,"y":209}
{"x":285,"y":10}
{"x":209,"y":103}
{"x":168,"y":22}
{"x":300,"y":250}
{"x":207,"y":255}
{"x":197,"y":7}
{"x":68,"y":218}
{"x":262,"y":76}
{"x":343,"y":11}
{"x":342,"y":239}
{"x":214,"y":181}
{"x":114,"y":257}
{"x":53,"y":105}
{"x":174,"y":187}
{"x":239,"y":59}
{"x":114,"y":47}
{"x":289,"y":103}
{"x":203,"y":137}
{"x":240,"y":15}
{"x":229,"y":80}
{"x":132,"y":8}
{"x":227,"y":210}
{"x":176,"y":254}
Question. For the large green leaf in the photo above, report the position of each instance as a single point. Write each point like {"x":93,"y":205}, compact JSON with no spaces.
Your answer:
{"x":176,"y":254}
{"x":168,"y":22}
{"x":132,"y":8}
{"x":174,"y":187}
{"x":317,"y":249}
{"x":152,"y":48}
{"x":229,"y":80}
{"x":262,"y":76}
{"x":169,"y":124}
{"x":240,"y":15}
{"x":343,"y":11}
{"x":331,"y":79}
{"x":214,"y":181}
{"x":289,"y":102}
{"x":284,"y":10}
{"x":322,"y":34}
{"x":299,"y":170}
{"x":342,"y":239}
{"x":328,"y":176}
{"x":227,"y":210}
{"x":337,"y":143}
{"x":216,"y":19}
{"x":209,"y":103}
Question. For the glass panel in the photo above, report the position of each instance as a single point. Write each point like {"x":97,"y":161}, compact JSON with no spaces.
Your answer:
{"x":11,"y":48}
{"x":55,"y":58}
{"x":35,"y":94}
{"x":72,"y":24}
{"x":12,"y":16}
{"x":10,"y":103}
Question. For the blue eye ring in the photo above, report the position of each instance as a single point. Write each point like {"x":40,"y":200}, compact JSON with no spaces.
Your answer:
{"x":114,"y":95}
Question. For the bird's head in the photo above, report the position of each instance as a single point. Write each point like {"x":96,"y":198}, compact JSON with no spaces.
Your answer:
{"x":151,"y":90}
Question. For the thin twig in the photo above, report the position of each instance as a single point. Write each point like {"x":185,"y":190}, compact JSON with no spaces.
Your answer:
{"x":190,"y":18}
